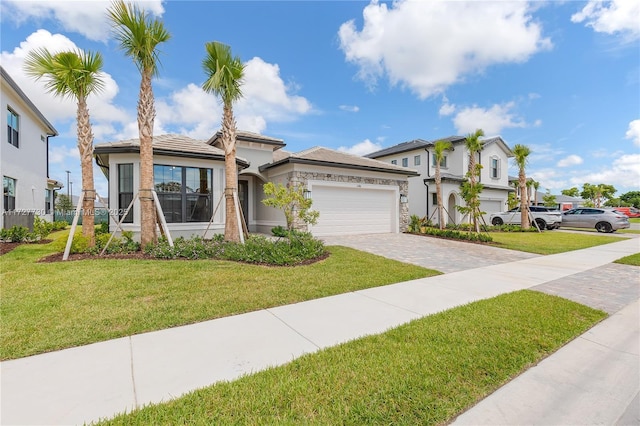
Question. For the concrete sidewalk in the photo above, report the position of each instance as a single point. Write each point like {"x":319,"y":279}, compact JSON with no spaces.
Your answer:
{"x":86,"y":383}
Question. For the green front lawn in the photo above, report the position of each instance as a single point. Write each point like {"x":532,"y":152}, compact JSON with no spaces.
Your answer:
{"x":425,"y":372}
{"x":549,"y":242}
{"x":50,"y":306}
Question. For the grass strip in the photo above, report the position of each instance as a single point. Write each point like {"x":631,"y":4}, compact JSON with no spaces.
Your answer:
{"x":549,"y":242}
{"x":50,"y":306}
{"x":633,"y":260}
{"x":425,"y":372}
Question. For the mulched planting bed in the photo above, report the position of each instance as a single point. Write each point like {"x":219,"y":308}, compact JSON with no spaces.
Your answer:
{"x":57,"y":257}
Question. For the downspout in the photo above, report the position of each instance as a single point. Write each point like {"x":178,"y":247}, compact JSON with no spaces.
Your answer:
{"x":427,"y":186}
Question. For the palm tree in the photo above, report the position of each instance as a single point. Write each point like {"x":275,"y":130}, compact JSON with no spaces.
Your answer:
{"x":536,"y":186}
{"x":224,"y":78}
{"x":74,"y":75}
{"x":520,"y":155}
{"x":139,"y":36}
{"x":439,"y":149}
{"x":474,"y":146}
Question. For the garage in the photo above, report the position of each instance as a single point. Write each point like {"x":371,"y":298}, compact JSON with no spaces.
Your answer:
{"x":354,"y":209}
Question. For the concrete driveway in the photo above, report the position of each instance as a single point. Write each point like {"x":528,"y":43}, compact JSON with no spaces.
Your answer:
{"x":433,"y":253}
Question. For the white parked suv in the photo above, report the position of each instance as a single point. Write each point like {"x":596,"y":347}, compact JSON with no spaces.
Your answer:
{"x":545,"y":217}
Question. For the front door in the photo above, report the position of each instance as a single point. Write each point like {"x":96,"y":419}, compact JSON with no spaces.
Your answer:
{"x":243,"y":196}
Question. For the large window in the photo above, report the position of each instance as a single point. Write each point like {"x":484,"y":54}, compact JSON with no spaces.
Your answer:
{"x":9,"y":185}
{"x":443,"y":163}
{"x":405,"y":162}
{"x":125,"y":191}
{"x":416,"y":160}
{"x":495,"y":168}
{"x":185,"y":193}
{"x":13,"y":128}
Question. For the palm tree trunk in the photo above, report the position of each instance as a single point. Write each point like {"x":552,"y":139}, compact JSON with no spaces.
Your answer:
{"x":85,"y":146}
{"x":231,"y":228}
{"x":524,"y":211}
{"x":439,"y":196}
{"x":472,"y":180}
{"x":146,"y":116}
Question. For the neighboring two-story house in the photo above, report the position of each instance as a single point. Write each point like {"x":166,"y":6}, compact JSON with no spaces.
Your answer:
{"x":24,"y":162}
{"x":418,"y":154}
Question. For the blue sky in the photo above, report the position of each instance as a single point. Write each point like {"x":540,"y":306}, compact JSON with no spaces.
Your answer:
{"x":560,"y":77}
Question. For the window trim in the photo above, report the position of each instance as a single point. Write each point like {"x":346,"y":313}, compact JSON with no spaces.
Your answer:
{"x":13,"y":134}
{"x":497,"y":169}
{"x":443,"y":163}
{"x":121,"y":207}
{"x":8,"y":197}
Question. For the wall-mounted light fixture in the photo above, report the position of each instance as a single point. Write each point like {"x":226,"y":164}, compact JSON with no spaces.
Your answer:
{"x":306,"y":194}
{"x":403,"y":198}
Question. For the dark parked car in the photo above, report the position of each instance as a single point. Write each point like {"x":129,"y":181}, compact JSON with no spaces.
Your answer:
{"x":603,"y":220}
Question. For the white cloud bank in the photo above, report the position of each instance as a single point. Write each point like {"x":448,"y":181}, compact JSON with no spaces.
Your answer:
{"x":633,"y":132}
{"x":615,"y":17}
{"x":427,"y":46}
{"x":491,"y":120}
{"x":85,"y":17}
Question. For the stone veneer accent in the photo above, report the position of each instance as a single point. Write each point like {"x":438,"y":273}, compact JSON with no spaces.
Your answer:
{"x":297,"y":178}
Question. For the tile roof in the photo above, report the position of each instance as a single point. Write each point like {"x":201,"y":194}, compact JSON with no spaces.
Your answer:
{"x":242,"y":135}
{"x":332,"y":158}
{"x":401,"y":147}
{"x":170,"y":144}
{"x":422,"y":144}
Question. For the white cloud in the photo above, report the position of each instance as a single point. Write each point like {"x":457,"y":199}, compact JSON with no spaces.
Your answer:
{"x":570,"y":160}
{"x":59,"y":154}
{"x":362,"y":148}
{"x":429,"y":45}
{"x":349,"y":108}
{"x":101,"y":105}
{"x":86,"y":17}
{"x":491,"y":120}
{"x":617,"y":16}
{"x":266,"y":98}
{"x":633,"y":132}
{"x":624,"y":172}
{"x":447,"y":109}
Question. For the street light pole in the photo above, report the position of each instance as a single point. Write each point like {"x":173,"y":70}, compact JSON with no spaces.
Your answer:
{"x":68,"y":186}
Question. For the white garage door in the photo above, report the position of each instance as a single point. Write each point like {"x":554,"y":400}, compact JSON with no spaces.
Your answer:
{"x":490,"y":206}
{"x":349,"y":210}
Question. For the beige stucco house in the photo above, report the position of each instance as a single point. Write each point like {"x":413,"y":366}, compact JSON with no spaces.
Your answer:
{"x":353,"y":194}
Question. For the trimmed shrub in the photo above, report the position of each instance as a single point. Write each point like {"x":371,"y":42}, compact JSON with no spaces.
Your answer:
{"x":458,"y":235}
{"x":256,"y":249}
